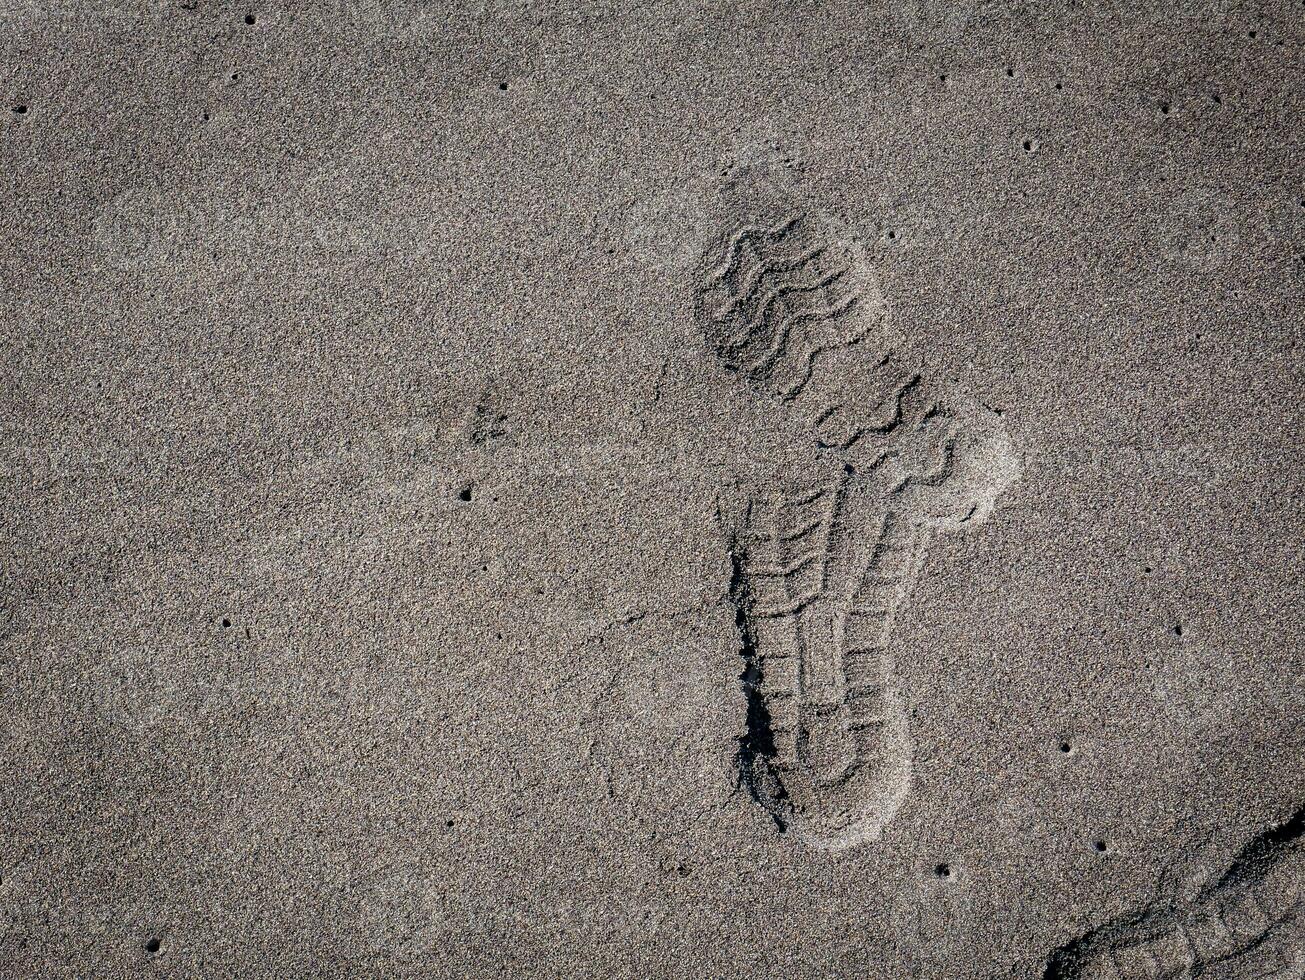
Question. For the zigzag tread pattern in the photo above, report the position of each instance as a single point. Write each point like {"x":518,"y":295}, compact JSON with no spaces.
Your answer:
{"x":773,"y":295}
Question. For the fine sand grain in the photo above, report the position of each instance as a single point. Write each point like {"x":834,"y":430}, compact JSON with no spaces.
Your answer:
{"x":741,"y":490}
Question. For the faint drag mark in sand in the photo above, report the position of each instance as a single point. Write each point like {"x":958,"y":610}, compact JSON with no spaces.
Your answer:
{"x":822,"y":565}
{"x":1249,"y":923}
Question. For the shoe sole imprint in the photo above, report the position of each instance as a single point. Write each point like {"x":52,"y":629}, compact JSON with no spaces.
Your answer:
{"x":1251,"y":923}
{"x":774,"y":295}
{"x":837,"y":763}
{"x":821,"y":573}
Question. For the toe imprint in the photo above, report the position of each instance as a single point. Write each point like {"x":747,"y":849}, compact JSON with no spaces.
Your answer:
{"x":775,"y":294}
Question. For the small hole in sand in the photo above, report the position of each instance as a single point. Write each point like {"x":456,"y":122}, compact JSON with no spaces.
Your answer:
{"x":226,"y":623}
{"x":1178,"y":629}
{"x":448,"y":823}
{"x":1164,"y":108}
{"x":892,"y":234}
{"x":943,"y":79}
{"x":465,"y":493}
{"x":942,"y":870}
{"x":1010,"y":72}
{"x":502,"y":86}
{"x":1059,"y":86}
{"x":153,"y":945}
{"x":1217,"y":99}
{"x":1066,"y":748}
{"x":206,"y":117}
{"x":20,"y":109}
{"x":250,"y":19}
{"x":1099,"y":846}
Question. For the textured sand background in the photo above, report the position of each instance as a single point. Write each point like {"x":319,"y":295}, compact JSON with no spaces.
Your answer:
{"x":369,"y":591}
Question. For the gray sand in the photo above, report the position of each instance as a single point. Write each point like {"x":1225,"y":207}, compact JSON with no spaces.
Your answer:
{"x":751,"y":490}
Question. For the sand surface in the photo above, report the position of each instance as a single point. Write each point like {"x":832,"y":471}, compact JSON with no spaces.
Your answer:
{"x":739,"y":490}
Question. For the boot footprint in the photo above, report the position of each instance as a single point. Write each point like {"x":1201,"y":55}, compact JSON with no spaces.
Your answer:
{"x":790,"y":306}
